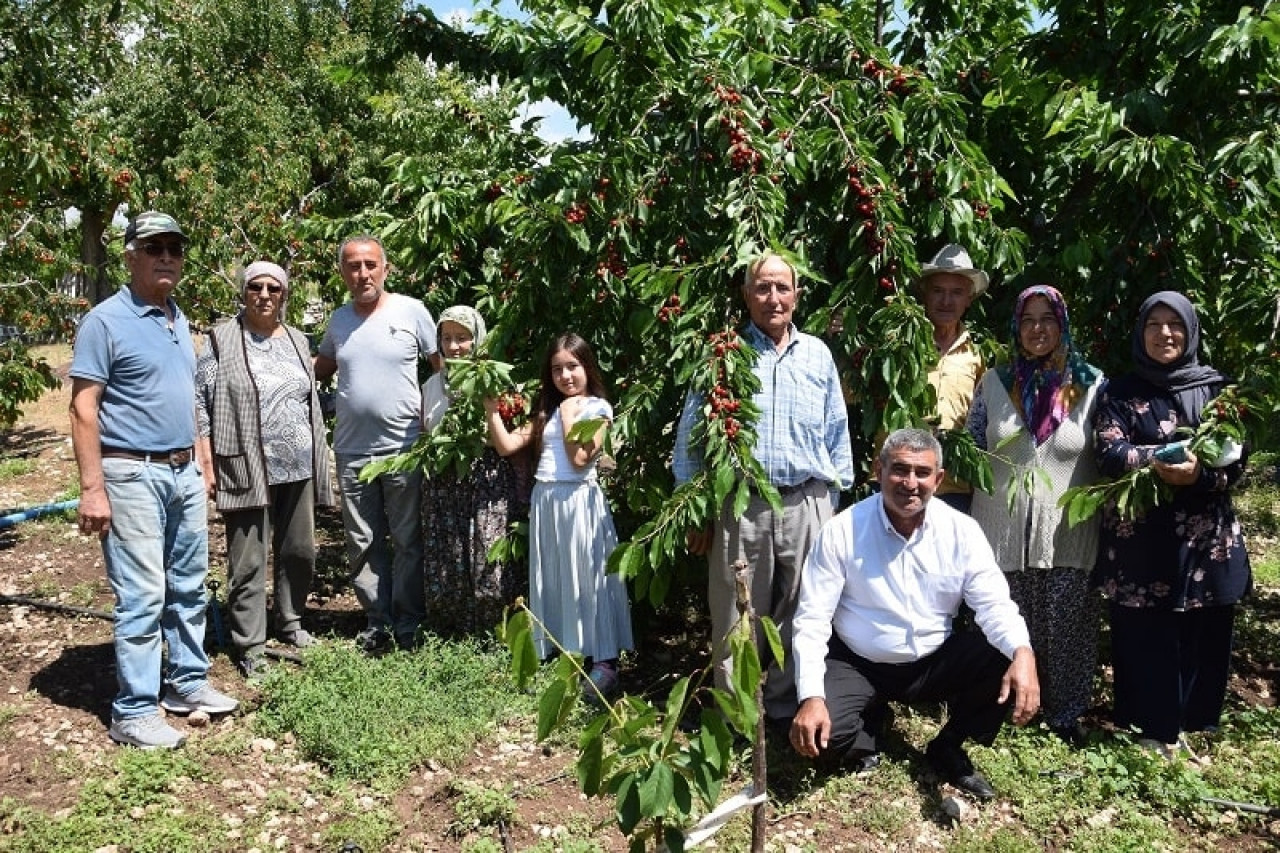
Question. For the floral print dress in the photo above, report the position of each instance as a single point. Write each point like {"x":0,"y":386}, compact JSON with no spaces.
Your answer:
{"x":1183,"y":554}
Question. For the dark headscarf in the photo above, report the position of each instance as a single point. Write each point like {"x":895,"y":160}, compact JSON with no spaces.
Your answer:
{"x":1186,"y":378}
{"x":1045,"y":389}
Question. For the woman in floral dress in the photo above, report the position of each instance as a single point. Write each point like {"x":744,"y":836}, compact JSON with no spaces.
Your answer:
{"x":1175,"y":574}
{"x":462,"y":517}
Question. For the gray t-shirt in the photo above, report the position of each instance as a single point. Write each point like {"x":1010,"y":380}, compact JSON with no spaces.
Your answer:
{"x":379,"y":403}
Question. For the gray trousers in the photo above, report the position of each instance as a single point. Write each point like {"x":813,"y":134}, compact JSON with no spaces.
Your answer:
{"x":286,"y":526}
{"x":384,"y":546}
{"x":775,"y":546}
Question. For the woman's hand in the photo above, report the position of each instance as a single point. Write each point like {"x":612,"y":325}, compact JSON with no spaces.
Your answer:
{"x":1178,"y":473}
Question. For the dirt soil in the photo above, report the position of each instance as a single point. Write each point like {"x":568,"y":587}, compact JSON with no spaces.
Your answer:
{"x":57,"y":671}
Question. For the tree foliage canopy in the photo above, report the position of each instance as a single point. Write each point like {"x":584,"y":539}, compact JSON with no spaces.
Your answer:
{"x":1109,"y":149}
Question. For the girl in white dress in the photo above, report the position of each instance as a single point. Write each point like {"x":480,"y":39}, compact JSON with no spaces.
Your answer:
{"x":571,"y":532}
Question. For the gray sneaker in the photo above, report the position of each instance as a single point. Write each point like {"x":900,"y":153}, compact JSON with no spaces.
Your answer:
{"x":299,"y":638}
{"x":149,"y":732}
{"x":204,"y":698}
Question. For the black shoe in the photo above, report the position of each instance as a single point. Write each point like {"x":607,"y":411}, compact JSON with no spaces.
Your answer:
{"x":373,"y":640}
{"x":1072,"y":734}
{"x":861,"y":762}
{"x":953,"y":765}
{"x":409,"y":642}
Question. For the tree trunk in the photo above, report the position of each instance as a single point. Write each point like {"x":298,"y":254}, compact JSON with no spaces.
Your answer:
{"x":96,"y":286}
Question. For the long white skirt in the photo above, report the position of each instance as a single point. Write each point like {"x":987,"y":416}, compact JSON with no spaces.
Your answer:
{"x":571,"y":535}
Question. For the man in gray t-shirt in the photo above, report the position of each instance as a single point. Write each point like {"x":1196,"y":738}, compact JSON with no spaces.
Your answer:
{"x":374,"y":343}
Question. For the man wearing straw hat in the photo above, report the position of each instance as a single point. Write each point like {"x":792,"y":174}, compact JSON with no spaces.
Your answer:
{"x":948,"y":284}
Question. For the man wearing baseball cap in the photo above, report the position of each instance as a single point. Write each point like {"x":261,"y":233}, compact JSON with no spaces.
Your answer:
{"x":133,"y":429}
{"x":948,"y":284}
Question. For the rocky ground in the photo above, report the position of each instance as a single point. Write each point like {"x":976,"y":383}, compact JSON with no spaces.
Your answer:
{"x":57,"y":680}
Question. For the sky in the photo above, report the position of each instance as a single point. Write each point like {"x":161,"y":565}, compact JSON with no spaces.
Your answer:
{"x":557,"y":124}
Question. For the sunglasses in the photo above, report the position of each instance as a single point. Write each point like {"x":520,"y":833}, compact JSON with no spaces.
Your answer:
{"x":155,"y":250}
{"x":256,"y":287}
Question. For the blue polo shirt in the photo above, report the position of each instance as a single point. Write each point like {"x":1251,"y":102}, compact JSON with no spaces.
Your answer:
{"x":147,"y":371}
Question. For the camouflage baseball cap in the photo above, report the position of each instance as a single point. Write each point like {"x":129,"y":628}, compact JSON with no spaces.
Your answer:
{"x":151,"y":223}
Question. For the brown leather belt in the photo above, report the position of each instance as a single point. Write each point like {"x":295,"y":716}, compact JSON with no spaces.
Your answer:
{"x":172,"y":458}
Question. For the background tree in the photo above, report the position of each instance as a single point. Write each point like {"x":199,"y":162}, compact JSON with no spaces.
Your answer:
{"x":52,"y":57}
{"x":1072,"y":148}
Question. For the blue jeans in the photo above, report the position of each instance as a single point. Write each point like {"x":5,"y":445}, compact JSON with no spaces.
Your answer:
{"x":388,"y":581}
{"x":157,"y":556}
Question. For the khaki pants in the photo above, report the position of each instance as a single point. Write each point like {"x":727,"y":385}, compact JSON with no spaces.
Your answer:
{"x":774,"y":545}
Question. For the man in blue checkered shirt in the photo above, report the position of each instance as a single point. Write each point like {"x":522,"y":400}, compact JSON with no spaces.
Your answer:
{"x":802,"y":444}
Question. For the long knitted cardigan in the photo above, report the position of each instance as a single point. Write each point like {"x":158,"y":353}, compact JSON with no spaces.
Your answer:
{"x":239,"y":463}
{"x":1036,"y":535}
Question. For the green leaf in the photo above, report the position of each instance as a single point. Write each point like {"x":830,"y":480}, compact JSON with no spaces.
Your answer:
{"x":627,"y":805}
{"x":656,"y":791}
{"x":551,"y":707}
{"x":741,"y":499}
{"x":774,"y":639}
{"x":725,"y":478}
{"x":893,"y":119}
{"x":590,"y":765}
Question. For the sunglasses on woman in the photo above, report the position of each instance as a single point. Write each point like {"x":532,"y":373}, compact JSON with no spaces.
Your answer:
{"x":256,"y":287}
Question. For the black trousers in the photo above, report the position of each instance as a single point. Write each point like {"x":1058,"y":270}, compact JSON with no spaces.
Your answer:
{"x":965,"y":672}
{"x":1170,"y":668}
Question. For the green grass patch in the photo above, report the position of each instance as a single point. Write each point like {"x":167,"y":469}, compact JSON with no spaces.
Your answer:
{"x":481,"y":808}
{"x":375,"y":719}
{"x":16,"y":466}
{"x":1258,"y":507}
{"x":374,"y":829}
{"x":1266,"y":572}
{"x":8,"y":713}
{"x":134,"y":808}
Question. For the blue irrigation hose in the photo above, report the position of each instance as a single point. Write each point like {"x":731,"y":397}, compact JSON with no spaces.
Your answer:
{"x":29,"y":513}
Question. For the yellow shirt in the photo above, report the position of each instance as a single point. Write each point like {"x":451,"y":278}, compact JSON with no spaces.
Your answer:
{"x":954,"y":379}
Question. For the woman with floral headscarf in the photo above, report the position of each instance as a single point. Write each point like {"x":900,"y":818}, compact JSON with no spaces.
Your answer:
{"x":1175,"y":574}
{"x":1034,"y":416}
{"x":463,"y":517}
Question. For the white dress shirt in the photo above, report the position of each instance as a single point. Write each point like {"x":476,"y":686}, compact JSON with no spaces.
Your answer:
{"x":891,"y":599}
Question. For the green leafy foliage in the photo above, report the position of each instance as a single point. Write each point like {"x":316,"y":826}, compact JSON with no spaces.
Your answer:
{"x":634,"y":751}
{"x":23,"y":379}
{"x":723,"y":436}
{"x":459,"y":439}
{"x":1225,"y":418}
{"x":965,"y":460}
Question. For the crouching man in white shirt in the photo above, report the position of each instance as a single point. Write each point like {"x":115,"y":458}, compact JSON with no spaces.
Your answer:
{"x":889,"y":575}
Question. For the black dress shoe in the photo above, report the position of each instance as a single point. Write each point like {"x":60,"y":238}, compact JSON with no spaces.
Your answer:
{"x":974,"y":783}
{"x":952,"y":763}
{"x":862,"y":762}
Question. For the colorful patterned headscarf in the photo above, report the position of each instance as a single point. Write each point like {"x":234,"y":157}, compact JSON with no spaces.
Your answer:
{"x":1045,"y":389}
